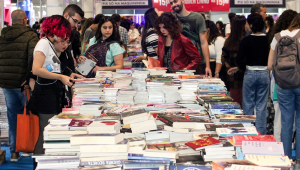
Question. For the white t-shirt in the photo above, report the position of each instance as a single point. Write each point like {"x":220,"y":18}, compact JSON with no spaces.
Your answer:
{"x":284,"y":33}
{"x":52,"y":62}
{"x":215,"y":49}
{"x":227,"y":29}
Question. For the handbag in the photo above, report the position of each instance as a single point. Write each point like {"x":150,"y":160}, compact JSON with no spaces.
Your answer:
{"x":27,"y":129}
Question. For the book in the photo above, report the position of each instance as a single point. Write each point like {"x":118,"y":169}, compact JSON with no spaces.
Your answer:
{"x":269,"y":160}
{"x":97,"y":163}
{"x":122,"y":146}
{"x":235,"y":118}
{"x":109,"y":125}
{"x":226,"y":164}
{"x":209,"y":99}
{"x":248,"y":167}
{"x":230,"y":131}
{"x":262,"y":148}
{"x":225,"y":111}
{"x":201,"y":136}
{"x":73,"y":116}
{"x":237,"y":139}
{"x":202,"y":143}
{"x":161,"y":147}
{"x":111,"y":138}
{"x":225,"y":105}
{"x":86,"y":67}
{"x":169,"y":120}
{"x":189,"y":167}
{"x":79,"y":124}
{"x":212,"y":127}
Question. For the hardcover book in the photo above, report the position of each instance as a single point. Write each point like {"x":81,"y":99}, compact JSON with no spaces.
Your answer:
{"x":162,"y":147}
{"x":169,"y":120}
{"x":202,"y":143}
{"x":212,"y":127}
{"x":208,"y":99}
{"x":73,"y":116}
{"x":80,"y":123}
{"x":235,"y":118}
{"x":262,"y":148}
{"x":228,"y":132}
{"x":86,"y":67}
{"x":225,"y":105}
{"x":225,"y":111}
{"x":134,"y":112}
{"x":237,"y":139}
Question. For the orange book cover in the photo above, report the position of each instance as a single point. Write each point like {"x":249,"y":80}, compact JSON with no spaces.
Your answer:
{"x":237,"y":139}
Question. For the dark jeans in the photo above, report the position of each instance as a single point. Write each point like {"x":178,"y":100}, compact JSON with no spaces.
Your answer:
{"x":14,"y":100}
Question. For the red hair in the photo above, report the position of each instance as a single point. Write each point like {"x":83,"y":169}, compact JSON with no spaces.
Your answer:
{"x":56,"y":25}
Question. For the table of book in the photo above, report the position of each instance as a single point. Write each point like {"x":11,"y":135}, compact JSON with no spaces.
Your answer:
{"x":150,"y":119}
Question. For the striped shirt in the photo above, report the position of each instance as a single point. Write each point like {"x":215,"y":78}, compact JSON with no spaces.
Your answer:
{"x":123,"y":35}
{"x":151,"y":43}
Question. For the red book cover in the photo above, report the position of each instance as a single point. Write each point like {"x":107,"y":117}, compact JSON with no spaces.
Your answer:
{"x":80,"y":123}
{"x":237,"y":139}
{"x":202,"y":143}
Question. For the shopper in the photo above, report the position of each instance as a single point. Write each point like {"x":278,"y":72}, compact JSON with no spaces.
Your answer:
{"x":282,"y":23}
{"x":87,"y":23}
{"x":90,"y":32}
{"x":193,"y":27}
{"x":288,"y":99}
{"x":260,"y":9}
{"x":229,"y":53}
{"x":133,"y":34}
{"x":51,"y":76}
{"x":16,"y":51}
{"x":149,"y":41}
{"x":175,"y":51}
{"x":216,"y":43}
{"x":269,"y":24}
{"x":106,"y":47}
{"x":221,"y":28}
{"x":122,"y":31}
{"x":253,"y":57}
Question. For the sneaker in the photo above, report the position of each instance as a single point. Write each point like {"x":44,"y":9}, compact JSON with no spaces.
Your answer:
{"x":14,"y":157}
{"x":26,"y":154}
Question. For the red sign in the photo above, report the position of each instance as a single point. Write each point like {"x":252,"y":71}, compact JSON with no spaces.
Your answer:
{"x":195,"y":5}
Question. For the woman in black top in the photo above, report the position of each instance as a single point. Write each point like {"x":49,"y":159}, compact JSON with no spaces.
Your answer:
{"x":253,"y":57}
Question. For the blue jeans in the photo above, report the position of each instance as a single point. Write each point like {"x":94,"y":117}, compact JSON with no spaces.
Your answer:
{"x":289,"y":102}
{"x":255,"y":94}
{"x":15,"y":105}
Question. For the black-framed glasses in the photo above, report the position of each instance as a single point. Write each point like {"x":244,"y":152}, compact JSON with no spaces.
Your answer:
{"x":75,"y":21}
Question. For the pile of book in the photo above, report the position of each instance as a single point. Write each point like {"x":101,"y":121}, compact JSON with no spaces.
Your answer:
{"x":147,"y":118}
{"x":3,"y":117}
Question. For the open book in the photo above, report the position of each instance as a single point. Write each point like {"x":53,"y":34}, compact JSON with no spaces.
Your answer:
{"x":86,"y":67}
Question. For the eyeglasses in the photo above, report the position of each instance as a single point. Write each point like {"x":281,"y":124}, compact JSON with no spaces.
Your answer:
{"x":65,"y":42}
{"x":75,"y":21}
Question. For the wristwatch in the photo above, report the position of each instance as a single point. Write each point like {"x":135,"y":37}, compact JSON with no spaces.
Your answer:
{"x":216,"y":72}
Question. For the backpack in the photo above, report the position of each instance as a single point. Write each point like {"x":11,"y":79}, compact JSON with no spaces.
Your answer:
{"x":286,"y":67}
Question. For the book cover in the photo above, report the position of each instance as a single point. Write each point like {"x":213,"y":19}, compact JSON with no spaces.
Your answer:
{"x":269,"y":160}
{"x":230,"y":131}
{"x":73,"y":116}
{"x":221,"y":165}
{"x":225,"y":111}
{"x":207,"y":88}
{"x":262,"y":148}
{"x":190,"y":77}
{"x":212,"y":127}
{"x":219,"y":98}
{"x":80,"y":123}
{"x":225,"y":105}
{"x":237,"y":139}
{"x":133,"y":112}
{"x":86,"y":67}
{"x":201,"y":136}
{"x":162,"y":147}
{"x":202,"y":143}
{"x":248,"y":167}
{"x":170,"y":119}
{"x":189,"y":167}
{"x":235,"y":118}
{"x":98,"y":163}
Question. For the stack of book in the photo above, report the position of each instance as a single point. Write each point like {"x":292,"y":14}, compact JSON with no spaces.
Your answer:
{"x":141,"y":97}
{"x":139,"y":77}
{"x":188,"y":90}
{"x":110,"y":94}
{"x":155,"y":93}
{"x":3,"y":116}
{"x":125,"y":96}
{"x":221,"y":108}
{"x":222,"y":152}
{"x":66,"y":161}
{"x":103,"y":74}
{"x":170,"y":90}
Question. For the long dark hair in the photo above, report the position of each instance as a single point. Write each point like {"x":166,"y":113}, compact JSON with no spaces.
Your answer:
{"x":170,"y":23}
{"x":87,"y":23}
{"x":238,"y":32}
{"x":213,"y":32}
{"x":221,"y":25}
{"x":115,"y":36}
{"x":150,"y":17}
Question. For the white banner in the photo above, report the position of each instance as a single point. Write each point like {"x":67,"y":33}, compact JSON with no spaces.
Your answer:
{"x":252,"y":2}
{"x":125,"y":3}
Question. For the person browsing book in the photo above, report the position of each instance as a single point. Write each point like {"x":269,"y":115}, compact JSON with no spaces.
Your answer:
{"x":105,"y":47}
{"x":48,"y":96}
{"x":175,"y":51}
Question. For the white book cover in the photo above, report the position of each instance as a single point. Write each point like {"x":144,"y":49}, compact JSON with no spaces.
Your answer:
{"x":248,"y":167}
{"x":269,"y":160}
{"x":230,"y":131}
{"x":104,"y":125}
{"x":86,"y":67}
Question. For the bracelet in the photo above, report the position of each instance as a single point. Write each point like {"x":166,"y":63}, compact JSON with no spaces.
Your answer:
{"x":216,"y":72}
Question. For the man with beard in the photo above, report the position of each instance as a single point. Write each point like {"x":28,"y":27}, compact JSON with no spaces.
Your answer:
{"x":193,"y":27}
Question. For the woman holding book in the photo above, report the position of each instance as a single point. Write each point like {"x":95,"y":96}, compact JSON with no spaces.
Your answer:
{"x":48,"y":96}
{"x":105,"y":47}
{"x":175,"y":51}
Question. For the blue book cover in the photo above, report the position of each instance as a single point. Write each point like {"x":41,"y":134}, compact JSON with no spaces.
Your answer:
{"x":148,"y":158}
{"x":189,"y":167}
{"x":225,"y":105}
{"x":226,"y":111}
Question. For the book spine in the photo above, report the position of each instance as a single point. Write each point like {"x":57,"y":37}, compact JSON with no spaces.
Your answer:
{"x":148,"y":158}
{"x":145,"y":162}
{"x":166,"y":121}
{"x":59,"y":161}
{"x":97,"y":163}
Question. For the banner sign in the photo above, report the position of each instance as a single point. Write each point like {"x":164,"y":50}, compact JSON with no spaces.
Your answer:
{"x":125,"y":3}
{"x":250,"y":3}
{"x":195,"y":5}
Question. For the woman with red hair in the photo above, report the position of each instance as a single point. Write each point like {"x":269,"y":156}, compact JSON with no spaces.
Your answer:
{"x":48,"y":96}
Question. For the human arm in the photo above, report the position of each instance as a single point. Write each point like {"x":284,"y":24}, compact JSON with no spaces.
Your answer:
{"x":205,"y":51}
{"x":38,"y":70}
{"x":271,"y":59}
{"x":118,"y":60}
{"x":242,"y":55}
{"x":219,"y":43}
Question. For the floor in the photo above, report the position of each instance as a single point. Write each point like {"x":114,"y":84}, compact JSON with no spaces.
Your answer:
{"x":25,"y":163}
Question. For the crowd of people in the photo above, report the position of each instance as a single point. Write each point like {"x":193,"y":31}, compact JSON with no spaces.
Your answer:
{"x":242,"y":54}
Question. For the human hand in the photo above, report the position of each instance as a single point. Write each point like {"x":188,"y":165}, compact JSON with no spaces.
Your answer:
{"x":140,"y":58}
{"x":67,"y":80}
{"x":217,"y":75}
{"x":81,"y":59}
{"x":208,"y":72}
{"x":74,"y":75}
{"x":232,"y":71}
